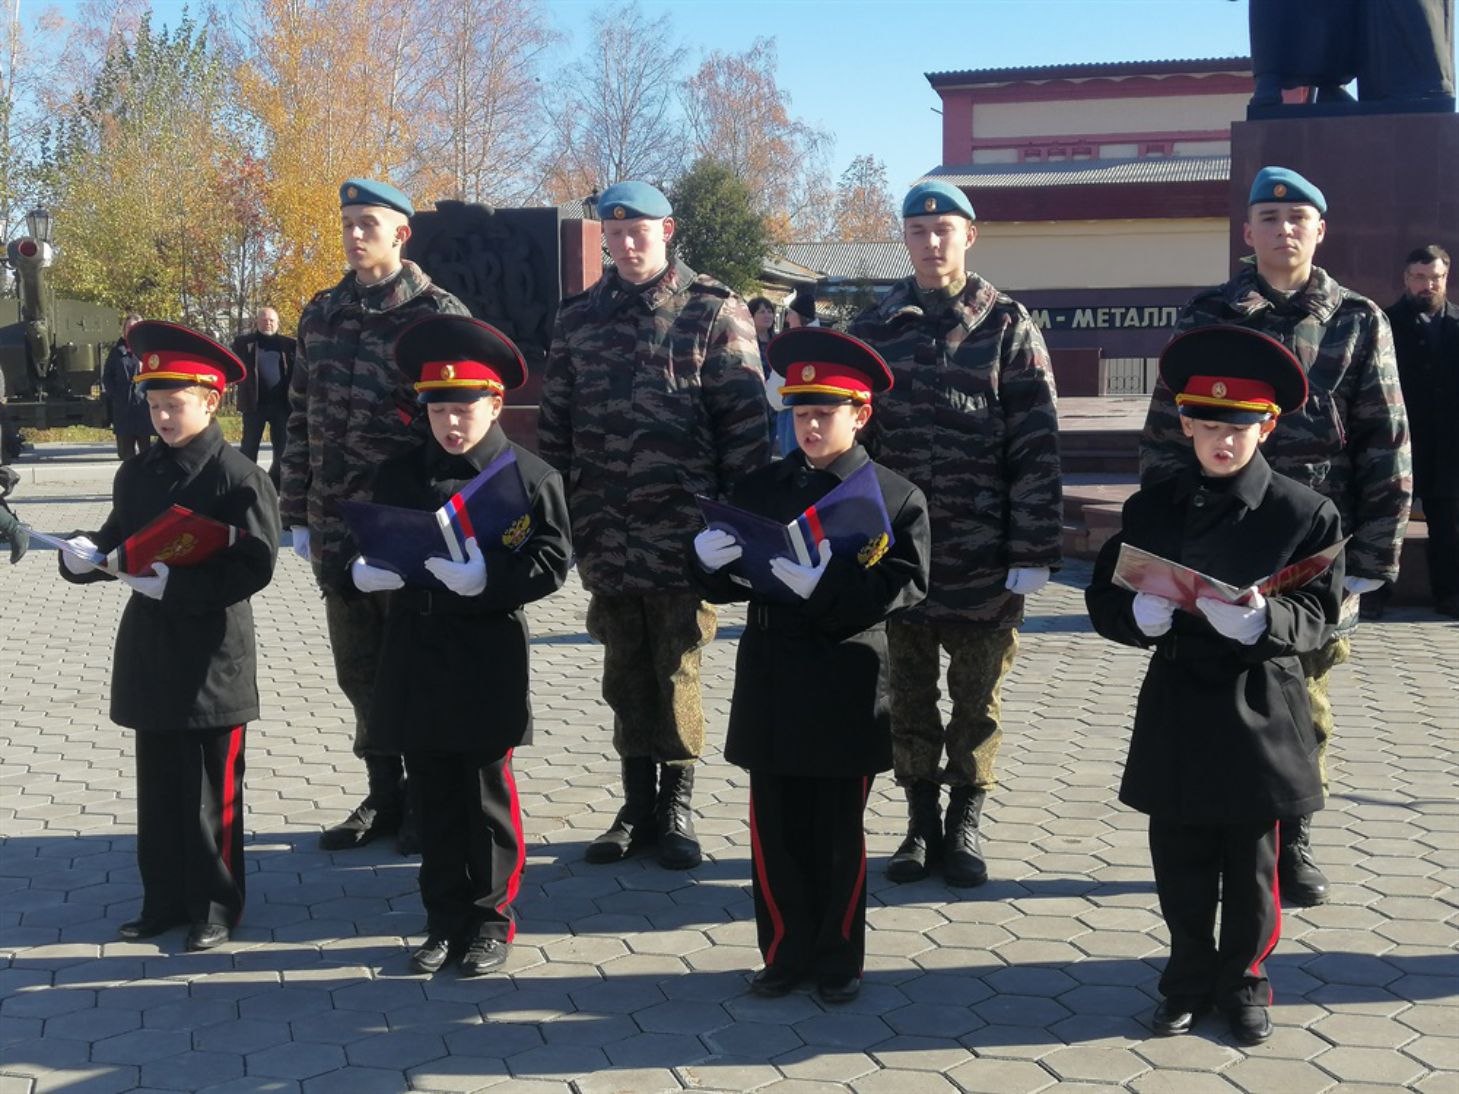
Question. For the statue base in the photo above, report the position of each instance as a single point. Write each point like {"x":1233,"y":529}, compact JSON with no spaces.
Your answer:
{"x":1443,"y":104}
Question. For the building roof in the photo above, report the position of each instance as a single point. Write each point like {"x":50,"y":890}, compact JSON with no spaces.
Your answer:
{"x":1153,"y":170}
{"x":880,"y":261}
{"x":781,"y":268}
{"x":1089,"y":70}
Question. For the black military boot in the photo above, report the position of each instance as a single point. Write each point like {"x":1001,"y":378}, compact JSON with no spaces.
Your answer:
{"x":678,"y":845}
{"x":1298,"y":877}
{"x":922,"y":849}
{"x":963,"y":866}
{"x":634,"y":825}
{"x":14,"y":533}
{"x":378,"y":815}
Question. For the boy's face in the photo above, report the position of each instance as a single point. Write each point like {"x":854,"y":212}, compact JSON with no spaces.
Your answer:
{"x":938,"y":246}
{"x":372,"y":236}
{"x":460,"y":427}
{"x":182,"y":413}
{"x":639,"y":247}
{"x":1224,"y":448}
{"x":1283,"y":235}
{"x":827,"y":432}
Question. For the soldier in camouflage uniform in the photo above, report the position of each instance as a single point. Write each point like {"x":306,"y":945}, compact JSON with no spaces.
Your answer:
{"x":350,"y":410}
{"x":653,"y":393}
{"x":971,"y":421}
{"x":1349,"y":442}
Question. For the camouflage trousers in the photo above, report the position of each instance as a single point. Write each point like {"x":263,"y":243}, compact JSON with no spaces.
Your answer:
{"x":651,"y":650}
{"x":978,"y":661}
{"x":356,"y":632}
{"x":1315,"y":668}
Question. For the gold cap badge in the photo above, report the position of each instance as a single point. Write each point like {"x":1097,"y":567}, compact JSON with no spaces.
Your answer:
{"x":808,"y":373}
{"x":619,"y":212}
{"x":930,"y":205}
{"x":448,"y":372}
{"x":1218,"y":390}
{"x":352,"y":191}
{"x":154,"y":361}
{"x":1280,"y":190}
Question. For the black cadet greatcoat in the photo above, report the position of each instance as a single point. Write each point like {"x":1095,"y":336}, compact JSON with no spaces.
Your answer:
{"x":811,"y":679}
{"x":187,"y":661}
{"x":1223,"y":731}
{"x":453,"y":669}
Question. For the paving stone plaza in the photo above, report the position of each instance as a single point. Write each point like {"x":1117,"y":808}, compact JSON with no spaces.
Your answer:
{"x":631,"y":978}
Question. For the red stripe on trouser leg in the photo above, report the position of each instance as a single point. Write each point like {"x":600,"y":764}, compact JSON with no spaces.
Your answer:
{"x":1255,"y":969}
{"x":229,"y":810}
{"x":514,"y":881}
{"x":757,"y":853}
{"x":855,"y":901}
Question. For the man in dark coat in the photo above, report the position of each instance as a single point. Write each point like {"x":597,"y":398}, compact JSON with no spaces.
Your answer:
{"x":1426,"y":340}
{"x":458,"y":738}
{"x":1223,"y":744}
{"x":126,"y":406}
{"x":652,"y":394}
{"x":263,"y":396}
{"x":971,"y":421}
{"x":1349,"y":441}
{"x":184,"y":672}
{"x":809,"y":718}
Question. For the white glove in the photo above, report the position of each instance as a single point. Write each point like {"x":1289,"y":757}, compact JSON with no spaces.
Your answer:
{"x":300,"y":535}
{"x":802,"y":580}
{"x":1153,"y":614}
{"x":715,"y":548}
{"x":1026,"y":580}
{"x":1357,"y":586}
{"x":76,"y":564}
{"x":150,"y":585}
{"x":1243,"y":623}
{"x":372,"y":579}
{"x":462,"y":578}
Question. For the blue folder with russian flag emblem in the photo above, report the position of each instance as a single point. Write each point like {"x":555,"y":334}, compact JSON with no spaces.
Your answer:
{"x":493,"y":507}
{"x":852,"y":516}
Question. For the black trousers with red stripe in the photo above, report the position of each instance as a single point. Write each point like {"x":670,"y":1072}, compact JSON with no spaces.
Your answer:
{"x":472,"y":850}
{"x":1197,"y":867}
{"x":190,"y":824}
{"x":808,"y":849}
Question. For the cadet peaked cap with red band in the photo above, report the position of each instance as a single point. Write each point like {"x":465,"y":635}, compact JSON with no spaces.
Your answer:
{"x":173,"y":356}
{"x":823,"y":366}
{"x":1232,"y":374}
{"x":455,"y":358}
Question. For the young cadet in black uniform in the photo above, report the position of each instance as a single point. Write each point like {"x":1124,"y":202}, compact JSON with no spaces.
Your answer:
{"x":1223,"y":742}
{"x":184,"y":674}
{"x":809,"y":718}
{"x":453,"y":695}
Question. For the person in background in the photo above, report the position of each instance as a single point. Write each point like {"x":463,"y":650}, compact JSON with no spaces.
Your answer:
{"x":263,"y":395}
{"x":126,"y":406}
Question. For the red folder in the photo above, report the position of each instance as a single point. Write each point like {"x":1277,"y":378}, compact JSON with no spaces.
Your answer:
{"x":179,"y":537}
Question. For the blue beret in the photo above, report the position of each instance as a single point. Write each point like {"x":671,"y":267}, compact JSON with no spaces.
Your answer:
{"x":1284,"y":184}
{"x":370,"y":192}
{"x":934,"y":198}
{"x":633,"y":200}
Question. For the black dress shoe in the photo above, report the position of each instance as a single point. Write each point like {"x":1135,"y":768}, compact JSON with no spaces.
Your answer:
{"x":484,"y":955}
{"x":773,"y":981}
{"x":1250,"y":1025}
{"x":431,"y":956}
{"x":142,"y":927}
{"x":839,"y":989}
{"x":1176,"y":1015}
{"x":206,"y":936}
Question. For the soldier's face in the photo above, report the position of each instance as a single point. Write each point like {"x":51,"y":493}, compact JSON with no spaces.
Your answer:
{"x":1284,"y":235}
{"x":372,"y":237}
{"x":460,"y":427}
{"x":1223,"y":448}
{"x":825,"y":433}
{"x":180,"y":414}
{"x":1427,"y":283}
{"x":938,"y":247}
{"x":639,"y":248}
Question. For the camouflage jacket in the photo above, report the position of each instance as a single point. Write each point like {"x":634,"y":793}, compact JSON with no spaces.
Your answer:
{"x":649,"y":398}
{"x":971,"y":420}
{"x":350,"y":409}
{"x":1349,"y":442}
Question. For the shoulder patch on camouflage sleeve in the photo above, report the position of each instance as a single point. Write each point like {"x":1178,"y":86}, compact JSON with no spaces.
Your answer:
{"x":706,"y":284}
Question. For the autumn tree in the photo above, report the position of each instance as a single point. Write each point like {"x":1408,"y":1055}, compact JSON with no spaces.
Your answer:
{"x":615,"y":114}
{"x":738,"y":114}
{"x":719,"y":230}
{"x":865,"y":208}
